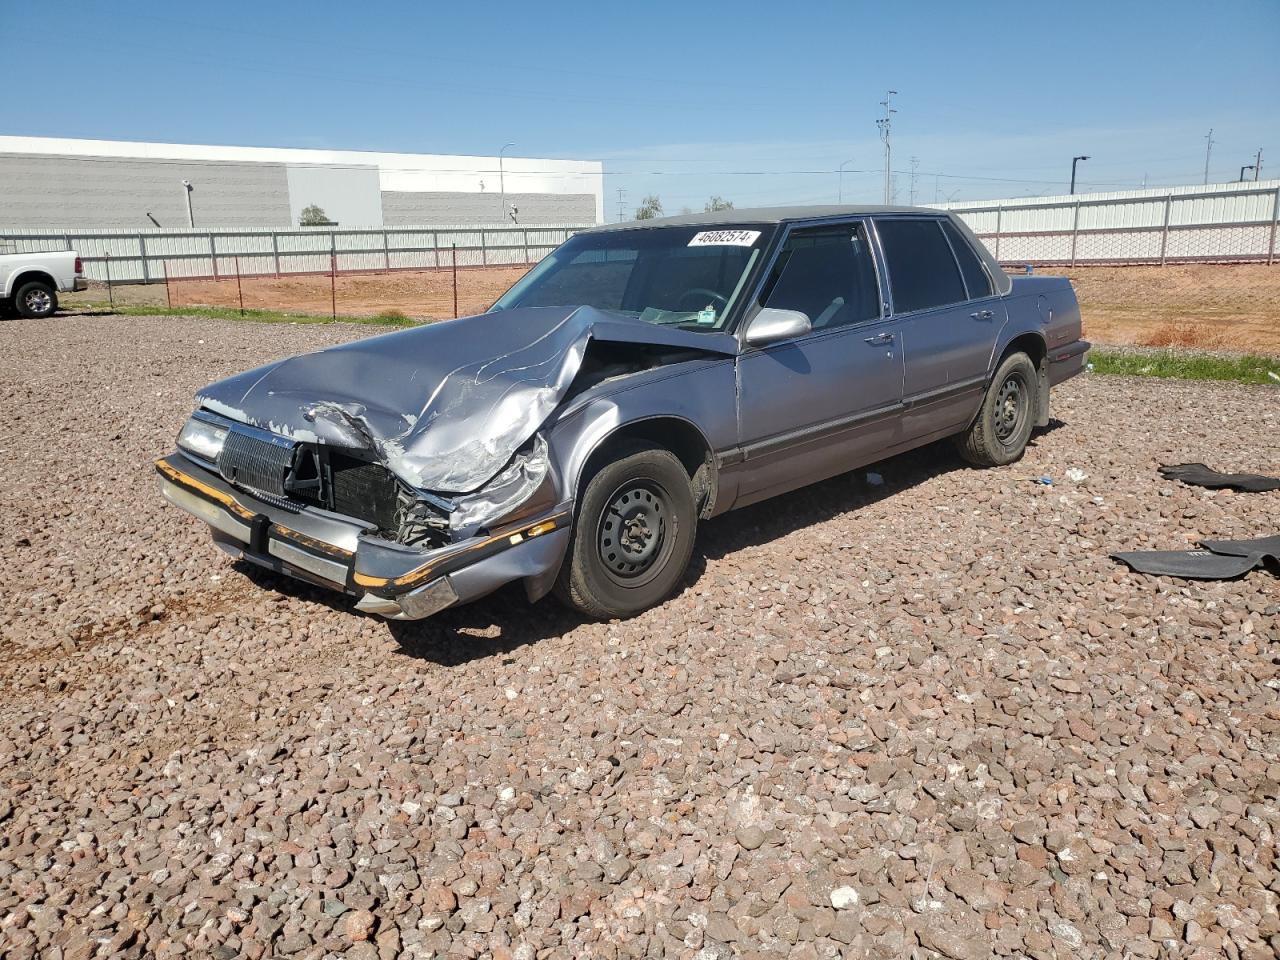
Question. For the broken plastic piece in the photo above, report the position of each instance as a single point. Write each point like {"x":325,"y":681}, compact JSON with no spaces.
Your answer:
{"x":1219,"y":560}
{"x":1198,"y":475}
{"x":1076,"y":475}
{"x":875,"y":480}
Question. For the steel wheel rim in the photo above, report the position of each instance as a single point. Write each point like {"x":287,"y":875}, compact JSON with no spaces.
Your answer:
{"x":1010,"y":408}
{"x":38,"y":301}
{"x":636,"y":531}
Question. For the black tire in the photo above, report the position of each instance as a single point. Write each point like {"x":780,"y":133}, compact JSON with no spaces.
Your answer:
{"x":999,"y":434}
{"x":632,"y":537}
{"x":35,"y":299}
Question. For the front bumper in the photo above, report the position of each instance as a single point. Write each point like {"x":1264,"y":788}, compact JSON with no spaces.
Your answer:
{"x":395,"y":581}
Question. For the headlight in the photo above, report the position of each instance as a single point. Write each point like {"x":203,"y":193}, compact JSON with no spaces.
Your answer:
{"x":202,"y":439}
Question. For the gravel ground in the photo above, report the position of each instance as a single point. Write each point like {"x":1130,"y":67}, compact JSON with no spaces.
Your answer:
{"x":919,"y":719}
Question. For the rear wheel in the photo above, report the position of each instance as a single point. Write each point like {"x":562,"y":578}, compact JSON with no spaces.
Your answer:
{"x":1000,"y":432}
{"x":633,"y":535}
{"x":35,"y":299}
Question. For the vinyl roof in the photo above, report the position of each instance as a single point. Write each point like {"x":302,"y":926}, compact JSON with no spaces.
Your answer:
{"x":730,"y":218}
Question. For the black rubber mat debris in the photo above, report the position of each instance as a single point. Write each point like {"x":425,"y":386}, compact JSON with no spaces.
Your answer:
{"x":1198,"y":475}
{"x":1220,"y":560}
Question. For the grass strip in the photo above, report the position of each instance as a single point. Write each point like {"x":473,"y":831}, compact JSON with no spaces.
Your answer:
{"x":1187,"y":365}
{"x":390,"y":318}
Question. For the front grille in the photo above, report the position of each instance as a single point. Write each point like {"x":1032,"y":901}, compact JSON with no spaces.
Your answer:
{"x":250,"y":461}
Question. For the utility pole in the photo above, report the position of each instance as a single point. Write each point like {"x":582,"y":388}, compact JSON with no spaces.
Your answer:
{"x":884,"y":124}
{"x":1208,"y":149}
{"x":1257,"y":166}
{"x":1074,"y":161}
{"x":915,"y":162}
{"x":622,"y":204}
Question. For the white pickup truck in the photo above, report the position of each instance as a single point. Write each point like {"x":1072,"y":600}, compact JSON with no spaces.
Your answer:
{"x":30,"y":282}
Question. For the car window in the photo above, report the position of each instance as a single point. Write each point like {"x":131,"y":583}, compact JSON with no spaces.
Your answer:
{"x":975,"y":275}
{"x":598,"y":277}
{"x":827,"y":273}
{"x":679,"y":276}
{"x":922,"y":270}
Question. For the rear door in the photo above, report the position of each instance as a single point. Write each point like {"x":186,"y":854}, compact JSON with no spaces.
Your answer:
{"x":821,"y":404}
{"x":950,"y":318}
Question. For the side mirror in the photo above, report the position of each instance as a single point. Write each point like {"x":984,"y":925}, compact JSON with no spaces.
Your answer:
{"x":773,"y":324}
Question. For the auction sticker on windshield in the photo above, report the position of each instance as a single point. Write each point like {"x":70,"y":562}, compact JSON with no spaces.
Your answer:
{"x":723,"y":238}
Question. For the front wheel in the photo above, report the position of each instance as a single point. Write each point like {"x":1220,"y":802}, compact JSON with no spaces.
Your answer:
{"x":35,"y":299}
{"x":1000,"y":432}
{"x":633,"y":535}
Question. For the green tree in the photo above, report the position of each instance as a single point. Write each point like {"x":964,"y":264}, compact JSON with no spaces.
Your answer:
{"x":649,"y":208}
{"x":718,"y":203}
{"x":313,"y":216}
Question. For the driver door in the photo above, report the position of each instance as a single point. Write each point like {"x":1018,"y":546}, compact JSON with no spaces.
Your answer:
{"x":831,"y":400}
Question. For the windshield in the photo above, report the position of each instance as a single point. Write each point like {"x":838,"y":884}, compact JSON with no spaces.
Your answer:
{"x":688,"y":277}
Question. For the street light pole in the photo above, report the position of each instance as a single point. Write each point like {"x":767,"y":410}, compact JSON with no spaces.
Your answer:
{"x":502,"y":180}
{"x":191,"y":217}
{"x":842,"y":166}
{"x":1074,"y":161}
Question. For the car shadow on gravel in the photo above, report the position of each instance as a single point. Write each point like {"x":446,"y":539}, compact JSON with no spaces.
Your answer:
{"x":494,"y":625}
{"x":504,"y":621}
{"x":770,"y":519}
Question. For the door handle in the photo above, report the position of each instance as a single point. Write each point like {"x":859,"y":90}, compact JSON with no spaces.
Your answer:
{"x":879,"y":338}
{"x":982,"y":315}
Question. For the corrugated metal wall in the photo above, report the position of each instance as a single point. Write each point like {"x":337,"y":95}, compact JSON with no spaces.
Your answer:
{"x":1234,"y":221}
{"x":152,"y":255}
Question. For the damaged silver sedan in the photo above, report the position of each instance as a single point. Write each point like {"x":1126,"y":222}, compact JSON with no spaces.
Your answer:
{"x":641,"y":377}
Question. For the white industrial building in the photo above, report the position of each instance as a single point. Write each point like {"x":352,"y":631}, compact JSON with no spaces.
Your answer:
{"x":60,"y":183}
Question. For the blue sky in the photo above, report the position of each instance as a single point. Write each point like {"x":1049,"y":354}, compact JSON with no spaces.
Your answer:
{"x":757,"y":102}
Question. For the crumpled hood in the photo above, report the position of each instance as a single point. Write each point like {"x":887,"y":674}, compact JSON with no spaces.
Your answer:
{"x":445,"y":405}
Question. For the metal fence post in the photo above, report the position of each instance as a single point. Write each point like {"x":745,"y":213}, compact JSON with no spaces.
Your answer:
{"x":239,"y":289}
{"x":106,"y":259}
{"x":67,"y":239}
{"x":1164,"y":231}
{"x":168,"y":297}
{"x":1275,"y":219}
{"x":435,"y":247}
{"x":386,"y":252}
{"x":999,"y":216}
{"x":526,"y":246}
{"x":142,"y":246}
{"x":213,"y":255}
{"x":1075,"y":232}
{"x":484,"y":251}
{"x":333,"y":278}
{"x":275,"y":252}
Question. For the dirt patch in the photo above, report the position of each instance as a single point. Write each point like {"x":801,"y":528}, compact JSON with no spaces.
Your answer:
{"x":1205,"y":306}
{"x":420,"y":294}
{"x":423,"y":295}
